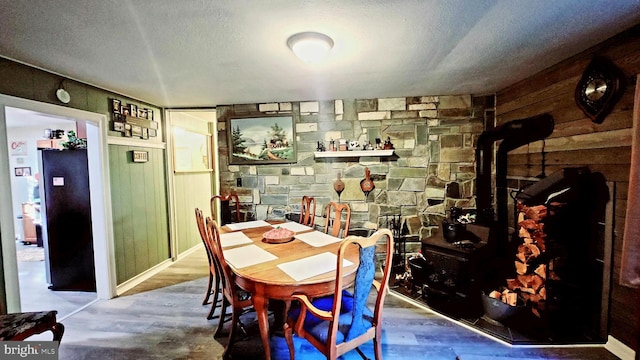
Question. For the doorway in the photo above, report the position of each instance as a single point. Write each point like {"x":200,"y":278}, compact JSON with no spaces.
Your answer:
{"x":29,"y":135}
{"x":96,"y":125}
{"x":194,"y":178}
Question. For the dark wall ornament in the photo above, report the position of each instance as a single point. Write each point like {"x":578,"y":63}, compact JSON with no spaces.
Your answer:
{"x":599,"y":88}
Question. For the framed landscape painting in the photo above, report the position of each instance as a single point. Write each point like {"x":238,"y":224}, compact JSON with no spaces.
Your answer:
{"x":261,"y":140}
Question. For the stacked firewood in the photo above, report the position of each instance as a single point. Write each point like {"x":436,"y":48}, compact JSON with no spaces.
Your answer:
{"x":532,"y":269}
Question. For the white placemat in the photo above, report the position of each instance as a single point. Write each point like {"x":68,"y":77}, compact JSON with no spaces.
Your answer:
{"x":293,"y":226}
{"x":312,"y":266}
{"x":247,"y":255}
{"x":317,"y":238}
{"x":234,"y":238}
{"x":247,"y":225}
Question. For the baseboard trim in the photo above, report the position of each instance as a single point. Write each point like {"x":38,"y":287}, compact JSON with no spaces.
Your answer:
{"x":140,"y":278}
{"x":619,"y":349}
{"x":146,"y":275}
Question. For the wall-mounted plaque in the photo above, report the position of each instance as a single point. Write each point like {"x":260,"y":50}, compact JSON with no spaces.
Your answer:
{"x":140,"y":156}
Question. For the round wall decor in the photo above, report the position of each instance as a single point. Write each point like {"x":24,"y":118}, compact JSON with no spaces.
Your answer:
{"x":63,"y":96}
{"x":599,"y":88}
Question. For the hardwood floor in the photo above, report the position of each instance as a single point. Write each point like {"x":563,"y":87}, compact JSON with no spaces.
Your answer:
{"x":164,"y":319}
{"x":34,"y":292}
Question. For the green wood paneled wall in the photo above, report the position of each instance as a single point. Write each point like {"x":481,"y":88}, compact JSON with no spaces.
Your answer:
{"x":139,"y":190}
{"x":140,"y":214}
{"x":187,"y":199}
{"x":29,"y":83}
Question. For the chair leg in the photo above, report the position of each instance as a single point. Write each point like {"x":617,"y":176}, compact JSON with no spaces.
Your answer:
{"x":235,"y":315}
{"x":223,"y":313}
{"x":216,"y":295}
{"x":377,"y":345}
{"x":208,"y":293}
{"x":58,"y":331}
{"x":214,"y":305}
{"x":215,"y":300}
{"x":362,"y":355}
{"x":288,"y":336}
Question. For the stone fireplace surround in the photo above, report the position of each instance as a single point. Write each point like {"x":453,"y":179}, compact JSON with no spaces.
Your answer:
{"x":432,"y":170}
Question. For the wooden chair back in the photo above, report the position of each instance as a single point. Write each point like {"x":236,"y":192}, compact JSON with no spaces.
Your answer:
{"x":308,"y":211}
{"x":203,"y":236}
{"x":213,"y":238}
{"x":231,"y":293}
{"x":229,"y":206}
{"x":334,"y":224}
{"x":364,"y":324}
{"x":214,"y":277}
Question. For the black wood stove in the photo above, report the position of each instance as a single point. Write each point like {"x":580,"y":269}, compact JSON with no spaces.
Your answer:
{"x":469,"y":257}
{"x":469,"y":260}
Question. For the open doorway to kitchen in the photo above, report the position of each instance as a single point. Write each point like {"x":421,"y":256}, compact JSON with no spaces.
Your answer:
{"x":21,"y":277}
{"x":32,"y":137}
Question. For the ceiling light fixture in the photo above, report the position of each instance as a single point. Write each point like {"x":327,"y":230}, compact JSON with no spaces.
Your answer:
{"x":310,"y":47}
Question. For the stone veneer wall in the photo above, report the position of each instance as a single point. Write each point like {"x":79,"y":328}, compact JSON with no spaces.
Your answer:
{"x":433,"y":169}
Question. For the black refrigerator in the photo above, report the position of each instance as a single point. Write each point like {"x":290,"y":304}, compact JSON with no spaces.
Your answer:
{"x":66,"y":219}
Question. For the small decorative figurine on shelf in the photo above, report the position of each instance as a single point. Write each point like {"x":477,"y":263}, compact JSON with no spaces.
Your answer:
{"x":368,"y":146}
{"x":342,"y":145}
{"x":387,"y":144}
{"x":320,"y":146}
{"x":378,"y":144}
{"x":332,"y":145}
{"x":353,"y":145}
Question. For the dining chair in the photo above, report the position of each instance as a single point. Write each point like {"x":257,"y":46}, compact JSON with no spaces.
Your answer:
{"x":232,"y":295}
{"x":229,"y":206}
{"x":214,"y":273}
{"x":334,"y":224}
{"x":342,"y":322}
{"x":308,"y":211}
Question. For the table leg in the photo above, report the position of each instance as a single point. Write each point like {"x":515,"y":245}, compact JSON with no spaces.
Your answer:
{"x":260,"y":303}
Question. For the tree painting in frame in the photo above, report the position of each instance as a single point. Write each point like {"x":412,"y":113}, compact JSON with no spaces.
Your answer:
{"x":261,"y":140}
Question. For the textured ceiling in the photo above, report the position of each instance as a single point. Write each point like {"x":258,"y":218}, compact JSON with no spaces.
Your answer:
{"x":200,"y":53}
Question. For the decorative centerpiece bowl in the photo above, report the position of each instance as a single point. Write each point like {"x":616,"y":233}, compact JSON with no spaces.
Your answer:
{"x":278,"y":235}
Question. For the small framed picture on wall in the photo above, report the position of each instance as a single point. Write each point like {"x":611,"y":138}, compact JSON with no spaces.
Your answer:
{"x":22,"y":171}
{"x":118,"y":126}
{"x":136,"y":131}
{"x":115,"y":105}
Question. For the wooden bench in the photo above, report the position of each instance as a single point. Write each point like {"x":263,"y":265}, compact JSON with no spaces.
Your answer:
{"x":19,"y":326}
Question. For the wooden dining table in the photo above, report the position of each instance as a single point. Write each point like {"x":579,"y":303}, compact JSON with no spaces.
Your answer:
{"x":266,"y":281}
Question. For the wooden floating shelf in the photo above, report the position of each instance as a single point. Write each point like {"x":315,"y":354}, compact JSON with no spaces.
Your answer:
{"x":358,"y":153}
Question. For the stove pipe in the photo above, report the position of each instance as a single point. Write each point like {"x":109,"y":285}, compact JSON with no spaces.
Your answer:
{"x":513,"y":135}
